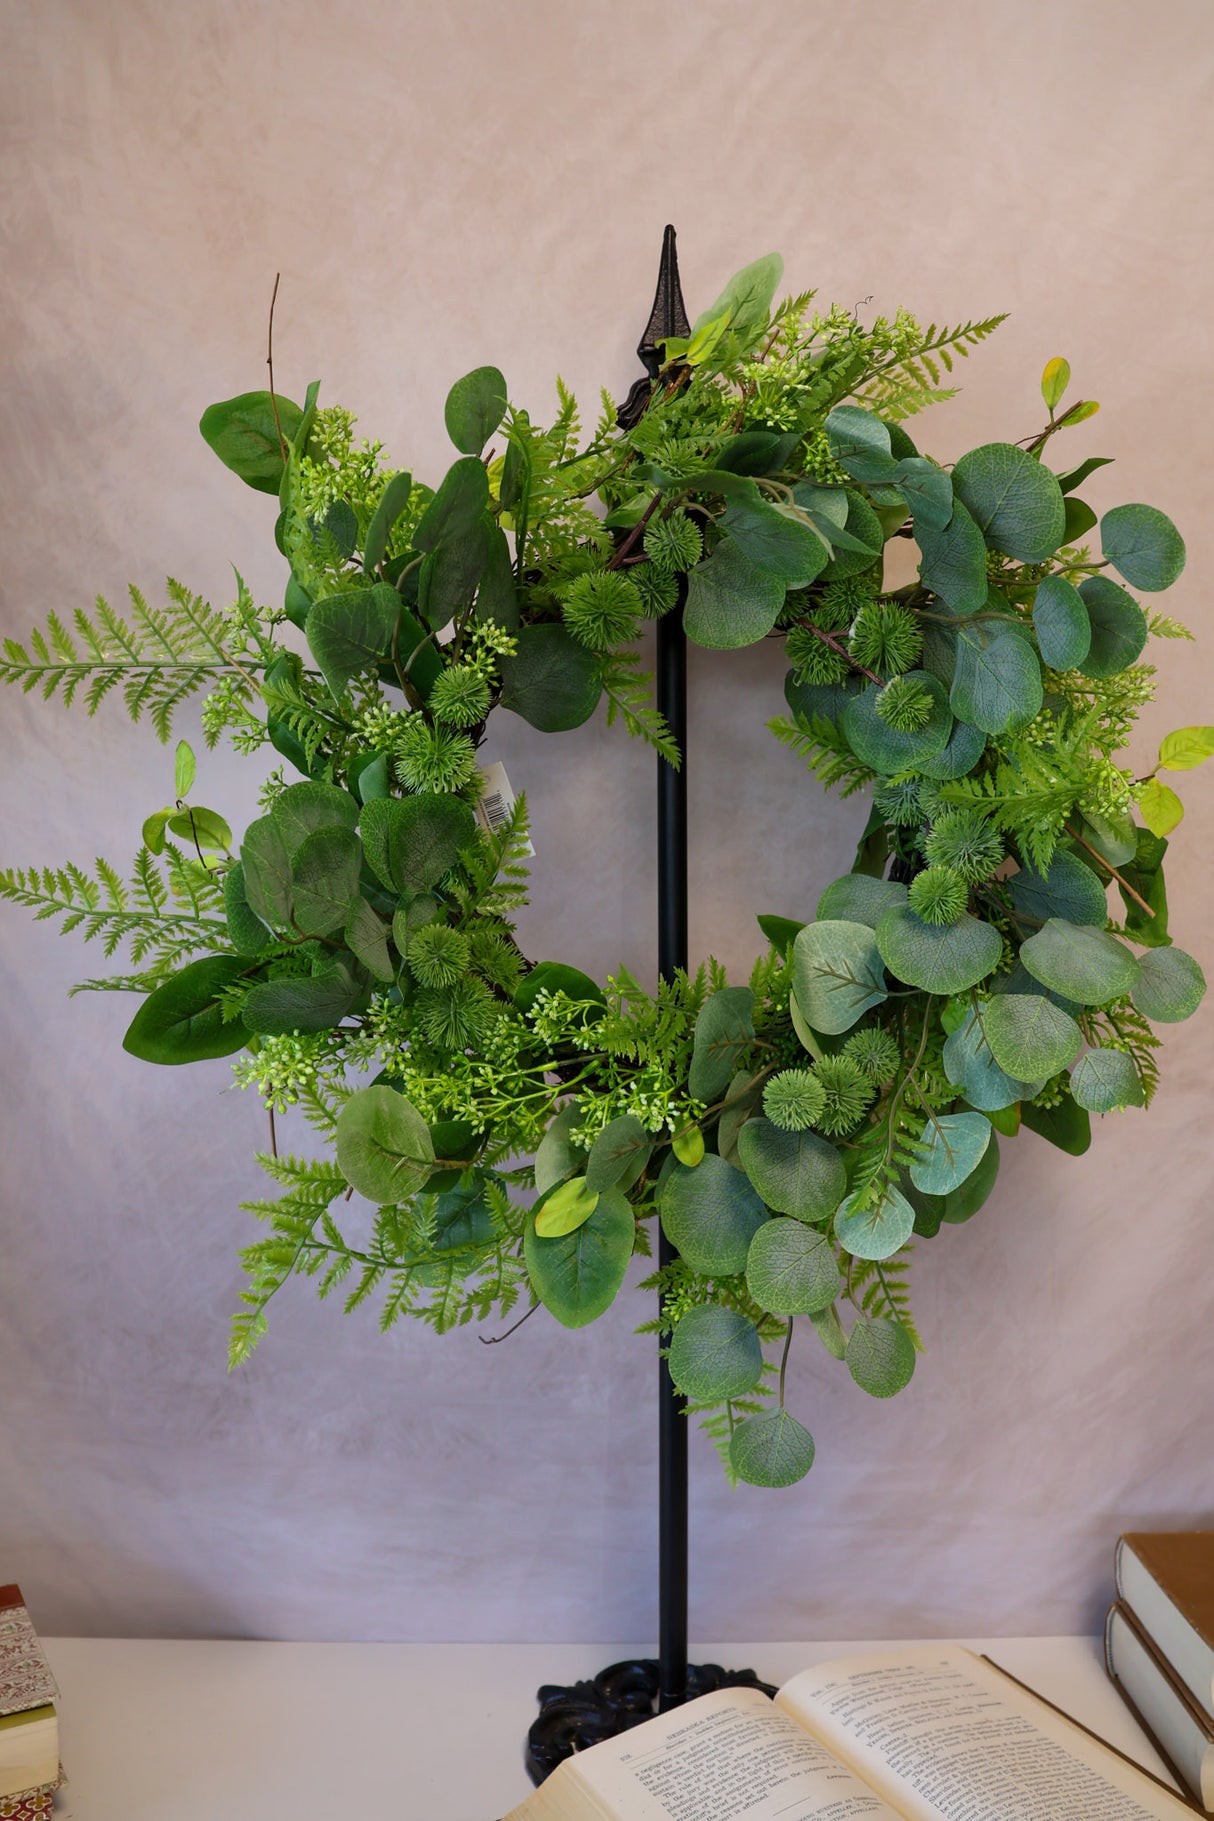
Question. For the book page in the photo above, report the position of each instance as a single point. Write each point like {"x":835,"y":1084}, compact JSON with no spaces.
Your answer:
{"x":945,"y":1737}
{"x":722,"y":1757}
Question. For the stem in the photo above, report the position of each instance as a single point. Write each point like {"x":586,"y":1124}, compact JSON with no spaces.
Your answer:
{"x":273,"y":1134}
{"x":843,"y":652}
{"x":282,"y":441}
{"x":1110,"y":868}
{"x":784,"y":1359}
{"x":495,"y":1340}
{"x":637,"y":532}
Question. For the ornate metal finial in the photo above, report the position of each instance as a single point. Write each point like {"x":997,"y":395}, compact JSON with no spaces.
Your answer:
{"x":668,"y":317}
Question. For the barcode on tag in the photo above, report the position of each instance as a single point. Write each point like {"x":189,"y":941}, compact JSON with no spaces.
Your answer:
{"x":497,"y":801}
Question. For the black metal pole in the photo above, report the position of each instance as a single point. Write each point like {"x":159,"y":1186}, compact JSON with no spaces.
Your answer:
{"x":672,"y":954}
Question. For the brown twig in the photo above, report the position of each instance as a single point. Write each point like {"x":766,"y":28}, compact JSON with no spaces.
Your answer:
{"x":1110,"y":868}
{"x":843,"y":652}
{"x":638,"y":531}
{"x":496,"y":1339}
{"x":784,"y":1359}
{"x":282,"y":441}
{"x":273,"y":1134}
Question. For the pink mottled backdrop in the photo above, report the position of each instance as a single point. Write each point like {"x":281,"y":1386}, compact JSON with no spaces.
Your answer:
{"x":443,"y":186}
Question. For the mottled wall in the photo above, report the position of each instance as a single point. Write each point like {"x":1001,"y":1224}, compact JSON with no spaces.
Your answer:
{"x":442,"y":186}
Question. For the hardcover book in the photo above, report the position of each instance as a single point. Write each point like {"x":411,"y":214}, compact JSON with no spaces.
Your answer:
{"x":1161,"y":1704}
{"x":1167,"y":1581}
{"x":29,"y":1722}
{"x":930,"y":1733}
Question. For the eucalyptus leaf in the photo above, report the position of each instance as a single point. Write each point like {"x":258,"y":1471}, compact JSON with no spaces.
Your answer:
{"x":1015,"y":502}
{"x":953,"y":561}
{"x":859,"y":442}
{"x":324,"y":880}
{"x":578,"y":1276}
{"x":1066,"y":1126}
{"x":300,"y":809}
{"x":796,"y":1173}
{"x":1084,"y":964}
{"x":837,"y":973}
{"x":710,"y":1214}
{"x":459,"y":504}
{"x":973,"y":1071}
{"x":267,"y":872}
{"x":246,"y":931}
{"x":997,"y":682}
{"x":886,"y":749}
{"x":859,"y":898}
{"x":350,"y":632}
{"x":619,"y":1154}
{"x":791,"y":1269}
{"x":1030,"y":1037}
{"x":476,"y":405}
{"x":452,"y":572}
{"x":1060,"y":620}
{"x":939,"y":958}
{"x":1119,"y":628}
{"x":741,"y":1099}
{"x":384,"y":1148}
{"x":880,"y":1355}
{"x":565,"y":1208}
{"x":1066,"y":889}
{"x":949,"y":1150}
{"x":411,"y":842}
{"x":966,"y":744}
{"x":1144,"y":546}
{"x":927,"y":490}
{"x":731,"y":602}
{"x":277,"y":1008}
{"x":244,"y":433}
{"x":862,"y":527}
{"x":367,"y":938}
{"x":1104,"y":1079}
{"x":392,"y":502}
{"x":877,"y":1230}
{"x":558,"y":1156}
{"x":784,"y":548}
{"x":715,"y":1354}
{"x":773,"y":1449}
{"x":182,"y":1019}
{"x":552,"y":682}
{"x":964,"y":1202}
{"x":1170,"y":986}
{"x":724,"y":1031}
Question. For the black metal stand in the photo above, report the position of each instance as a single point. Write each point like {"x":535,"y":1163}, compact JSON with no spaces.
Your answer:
{"x":570,"y":1719}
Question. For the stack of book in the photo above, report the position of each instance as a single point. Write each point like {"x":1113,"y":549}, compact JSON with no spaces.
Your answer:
{"x":1159,"y":1648}
{"x":29,"y":1724}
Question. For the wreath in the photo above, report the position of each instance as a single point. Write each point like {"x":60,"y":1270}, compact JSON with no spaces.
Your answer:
{"x":516,"y":1127}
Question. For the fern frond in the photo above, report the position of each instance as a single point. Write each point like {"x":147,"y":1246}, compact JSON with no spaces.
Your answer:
{"x":629,"y":699}
{"x":825,"y":751}
{"x":107,"y":909}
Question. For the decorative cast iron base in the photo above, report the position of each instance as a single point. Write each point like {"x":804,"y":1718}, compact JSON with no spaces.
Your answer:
{"x":618,"y":1697}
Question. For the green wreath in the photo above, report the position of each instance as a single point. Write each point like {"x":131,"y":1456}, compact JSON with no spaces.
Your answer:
{"x":794,"y":1134}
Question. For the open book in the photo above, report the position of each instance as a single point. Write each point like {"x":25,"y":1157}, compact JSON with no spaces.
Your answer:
{"x":931,"y":1733}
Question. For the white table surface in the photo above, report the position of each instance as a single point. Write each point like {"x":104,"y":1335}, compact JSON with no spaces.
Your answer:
{"x":156,"y":1731}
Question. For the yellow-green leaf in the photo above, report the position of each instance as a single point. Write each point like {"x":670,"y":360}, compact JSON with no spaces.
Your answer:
{"x":185,"y":767}
{"x":153,"y":830}
{"x":1055,"y":380}
{"x":1087,"y":407}
{"x":569,"y":1207}
{"x":1186,"y":747}
{"x":688,"y":1146}
{"x":1159,"y":807}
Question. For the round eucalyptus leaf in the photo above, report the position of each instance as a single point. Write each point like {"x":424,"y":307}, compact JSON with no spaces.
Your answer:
{"x":324,"y":880}
{"x":1103,"y":1080}
{"x":973,"y":1071}
{"x":876,"y":1231}
{"x":565,"y":1208}
{"x":771,"y":1450}
{"x":715,"y":1354}
{"x":731,"y":602}
{"x":780,"y":546}
{"x":1067,"y":889}
{"x":811,"y":702}
{"x":1119,"y":628}
{"x":558,"y":1156}
{"x":795,"y":1173}
{"x":877,"y":744}
{"x":350,"y":632}
{"x":862,"y":526}
{"x":411,"y":842}
{"x":858,"y":898}
{"x":949,"y":1150}
{"x":829,"y":1330}
{"x":941,"y":958}
{"x":1170,"y":986}
{"x":458,"y":504}
{"x":618,"y":1154}
{"x":246,"y":931}
{"x":1084,"y":964}
{"x":724,"y":1031}
{"x":1060,"y":620}
{"x":552,"y":682}
{"x":1030,"y":1037}
{"x":384,"y":1148}
{"x":966,"y":745}
{"x":267,"y":872}
{"x":741,"y":1098}
{"x":860,"y":442}
{"x":997,"y":683}
{"x":792,"y":1269}
{"x":953,"y":561}
{"x":880,"y":1355}
{"x":1015,"y":502}
{"x":301,"y":809}
{"x":367,"y":938}
{"x":462,"y":1220}
{"x":578,"y":1275}
{"x":927,"y":491}
{"x":710,"y":1214}
{"x":1114,"y":837}
{"x":246,"y":434}
{"x":837,"y":973}
{"x":1144,"y":545}
{"x":965,"y":1201}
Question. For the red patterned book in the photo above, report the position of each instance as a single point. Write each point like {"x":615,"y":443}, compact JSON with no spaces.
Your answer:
{"x":39,"y":1805}
{"x":29,"y":1721}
